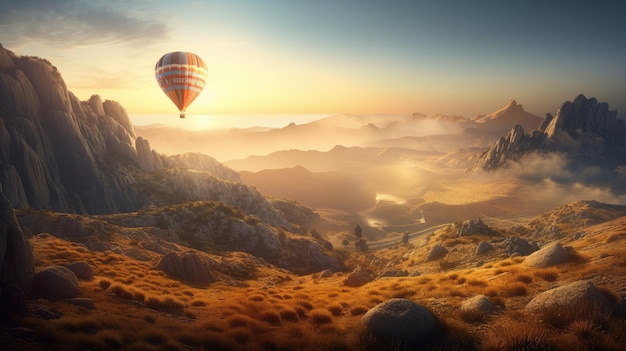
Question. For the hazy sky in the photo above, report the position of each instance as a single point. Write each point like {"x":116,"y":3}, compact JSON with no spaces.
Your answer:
{"x":333,"y":56}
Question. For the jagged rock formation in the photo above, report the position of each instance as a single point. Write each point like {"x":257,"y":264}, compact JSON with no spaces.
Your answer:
{"x":200,"y":162}
{"x":56,"y":151}
{"x":584,"y":130}
{"x":16,"y":259}
{"x":66,"y":155}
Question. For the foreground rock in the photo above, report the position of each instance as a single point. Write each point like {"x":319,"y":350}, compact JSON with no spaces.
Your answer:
{"x":479,"y":304}
{"x":437,"y":252}
{"x":16,"y":259}
{"x":359,"y":277}
{"x":569,"y":296}
{"x":55,"y":283}
{"x":548,"y":256}
{"x":400,"y":320}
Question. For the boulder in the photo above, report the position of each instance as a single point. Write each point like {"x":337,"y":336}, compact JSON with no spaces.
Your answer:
{"x":478,"y":303}
{"x":572,"y":295}
{"x":483,"y":247}
{"x":437,"y":252}
{"x":548,"y":256}
{"x":516,"y":246}
{"x":399,"y":320}
{"x":189,"y":266}
{"x":359,"y":277}
{"x":81,"y":269}
{"x":55,"y":283}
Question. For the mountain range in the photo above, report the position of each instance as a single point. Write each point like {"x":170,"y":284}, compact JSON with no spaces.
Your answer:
{"x":107,"y":243}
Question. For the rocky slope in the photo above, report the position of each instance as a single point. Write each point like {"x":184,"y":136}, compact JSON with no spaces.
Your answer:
{"x":66,"y":155}
{"x":585,"y":131}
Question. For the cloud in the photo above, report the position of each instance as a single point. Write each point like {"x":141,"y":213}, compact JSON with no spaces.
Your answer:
{"x":78,"y":23}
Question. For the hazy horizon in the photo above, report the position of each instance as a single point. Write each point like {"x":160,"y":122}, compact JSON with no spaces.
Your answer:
{"x":356,"y":57}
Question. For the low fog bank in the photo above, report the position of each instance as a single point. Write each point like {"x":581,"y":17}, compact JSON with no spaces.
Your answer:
{"x":321,"y":135}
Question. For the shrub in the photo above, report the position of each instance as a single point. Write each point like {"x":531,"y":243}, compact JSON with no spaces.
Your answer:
{"x":547,"y":274}
{"x":514,"y":289}
{"x":270,"y":317}
{"x":335,"y":309}
{"x":512,"y":335}
{"x":358,"y":310}
{"x":524,"y":278}
{"x":165,"y":303}
{"x":104,"y":283}
{"x":289,"y":314}
{"x":320,"y":316}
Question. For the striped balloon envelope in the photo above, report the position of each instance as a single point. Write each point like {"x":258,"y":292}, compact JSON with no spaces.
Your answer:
{"x":182,"y":76}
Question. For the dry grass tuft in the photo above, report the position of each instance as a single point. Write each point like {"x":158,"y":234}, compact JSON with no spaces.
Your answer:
{"x":548,"y":274}
{"x":319,"y":316}
{"x":514,"y":289}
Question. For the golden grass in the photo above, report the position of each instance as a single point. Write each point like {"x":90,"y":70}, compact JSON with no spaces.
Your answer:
{"x":139,"y":308}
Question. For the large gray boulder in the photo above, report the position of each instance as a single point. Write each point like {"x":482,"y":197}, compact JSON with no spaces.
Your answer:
{"x":568,"y":296}
{"x":400,"y":320}
{"x":55,"y":283}
{"x":548,"y":256}
{"x":478,"y":303}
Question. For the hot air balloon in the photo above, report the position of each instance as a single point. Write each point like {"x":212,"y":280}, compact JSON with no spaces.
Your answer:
{"x":182,"y":76}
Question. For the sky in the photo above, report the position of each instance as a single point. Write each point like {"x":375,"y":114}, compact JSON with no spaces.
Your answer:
{"x":333,"y":56}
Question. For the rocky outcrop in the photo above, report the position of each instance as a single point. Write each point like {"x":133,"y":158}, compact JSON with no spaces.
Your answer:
{"x":473,"y":226}
{"x":55,"y":283}
{"x":66,"y":155}
{"x":584,"y":130}
{"x":548,"y":256}
{"x":190,"y":266}
{"x":359,"y":277}
{"x":16,"y":259}
{"x":200,"y":162}
{"x":516,"y":246}
{"x":478,"y":304}
{"x":573,"y":295}
{"x":149,"y":160}
{"x":400,"y":320}
{"x":437,"y":252}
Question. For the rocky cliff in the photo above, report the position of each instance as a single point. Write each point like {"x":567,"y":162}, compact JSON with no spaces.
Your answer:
{"x":66,"y":155}
{"x":16,"y":261}
{"x":585,"y":131}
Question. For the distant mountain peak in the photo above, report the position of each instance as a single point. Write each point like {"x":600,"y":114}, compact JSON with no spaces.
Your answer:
{"x":507,"y":117}
{"x":584,"y":129}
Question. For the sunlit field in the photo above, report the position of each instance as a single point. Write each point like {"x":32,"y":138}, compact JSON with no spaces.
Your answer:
{"x":140,"y":308}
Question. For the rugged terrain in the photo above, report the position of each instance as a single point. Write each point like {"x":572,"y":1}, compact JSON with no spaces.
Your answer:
{"x":109,"y":244}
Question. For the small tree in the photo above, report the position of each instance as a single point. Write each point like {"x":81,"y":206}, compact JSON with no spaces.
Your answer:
{"x":405,"y":238}
{"x":328,"y":246}
{"x":361,"y":245}
{"x":358,"y":231}
{"x":345,"y":243}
